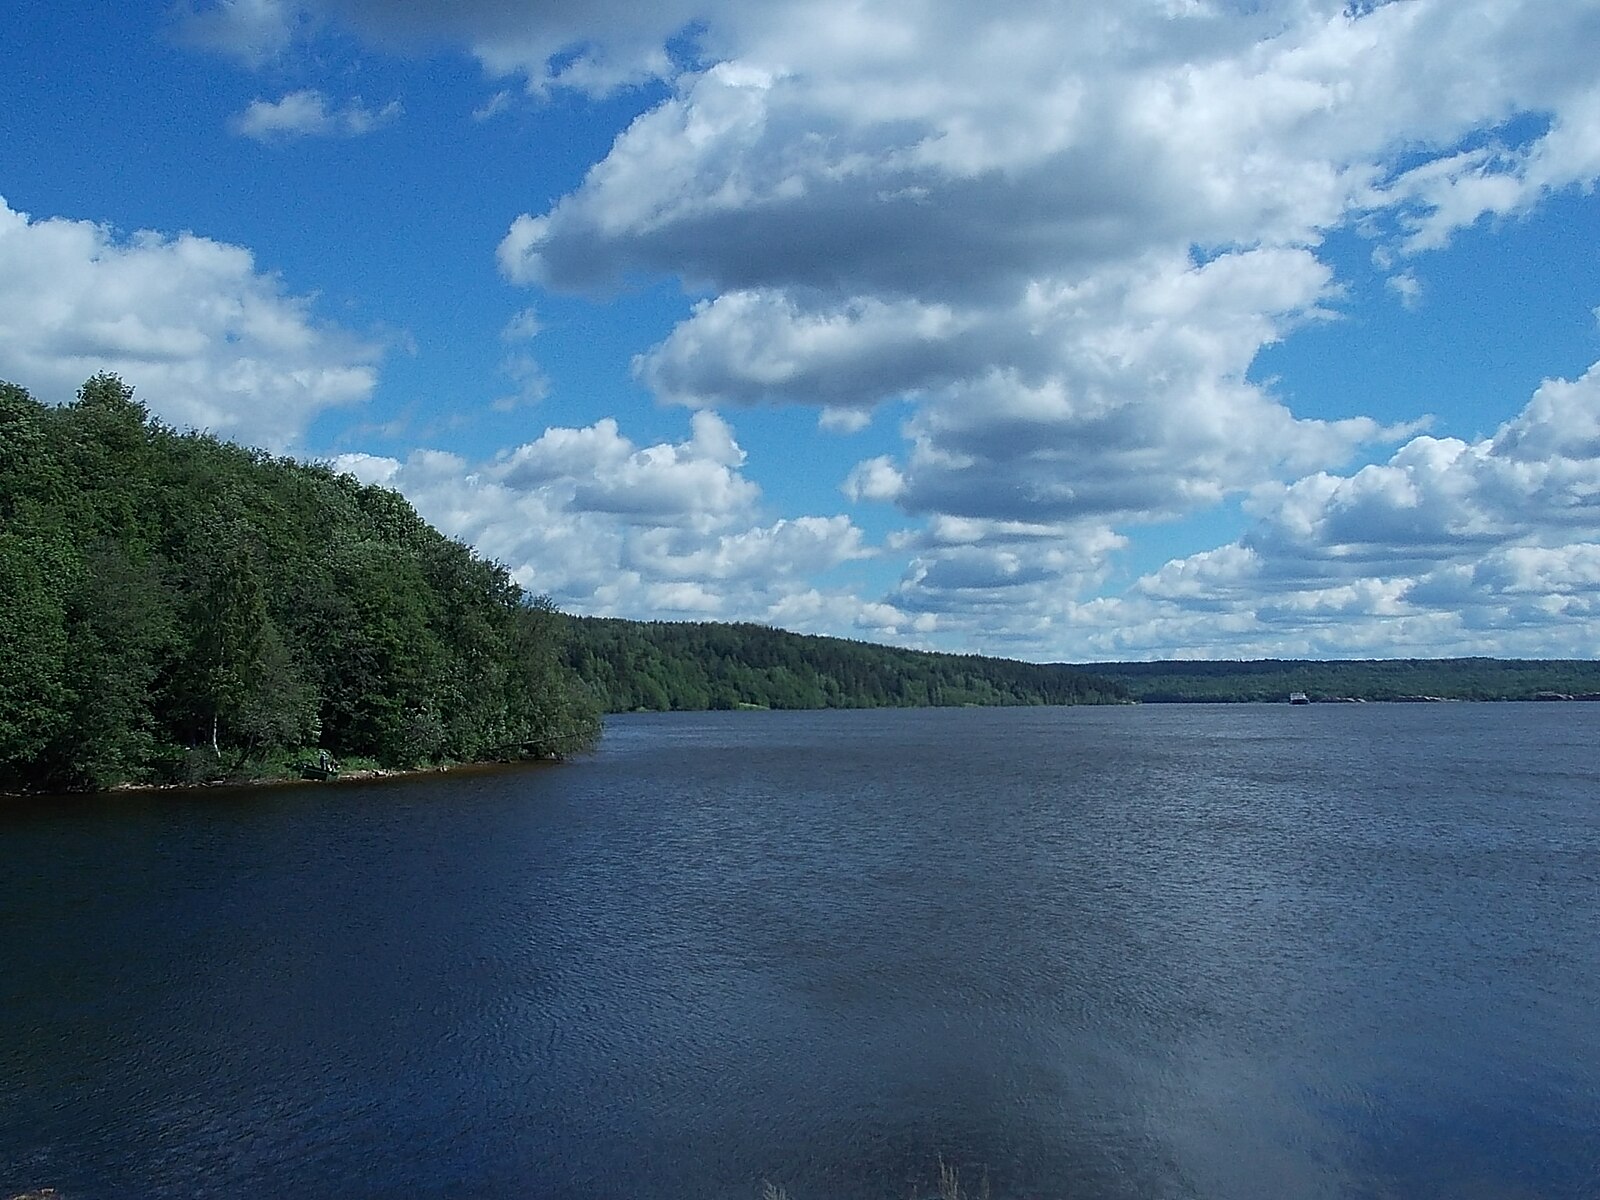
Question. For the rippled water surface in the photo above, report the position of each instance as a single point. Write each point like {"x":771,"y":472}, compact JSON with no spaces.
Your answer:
{"x":1230,"y":952}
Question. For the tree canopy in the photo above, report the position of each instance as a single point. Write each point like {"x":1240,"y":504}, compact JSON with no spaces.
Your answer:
{"x":174,"y":607}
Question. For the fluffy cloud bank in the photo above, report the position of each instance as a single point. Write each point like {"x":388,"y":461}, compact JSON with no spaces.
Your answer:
{"x":1065,"y":233}
{"x":1486,"y":547}
{"x":609,"y":527}
{"x":1062,"y":233}
{"x":1448,"y":547}
{"x":211,"y":342}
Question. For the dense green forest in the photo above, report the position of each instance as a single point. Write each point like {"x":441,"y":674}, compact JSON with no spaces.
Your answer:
{"x":1374,"y":679}
{"x":176,"y":608}
{"x":665,"y":666}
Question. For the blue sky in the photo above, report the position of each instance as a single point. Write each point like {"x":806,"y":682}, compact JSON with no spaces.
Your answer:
{"x":1058,"y":330}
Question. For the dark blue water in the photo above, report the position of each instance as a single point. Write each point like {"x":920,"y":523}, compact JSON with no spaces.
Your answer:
{"x":1230,"y":952}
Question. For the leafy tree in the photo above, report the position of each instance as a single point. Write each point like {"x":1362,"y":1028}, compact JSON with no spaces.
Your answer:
{"x":34,"y":691}
{"x":171,"y":604}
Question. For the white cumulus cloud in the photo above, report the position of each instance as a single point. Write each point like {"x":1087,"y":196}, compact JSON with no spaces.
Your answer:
{"x":1060,"y":234}
{"x":1064,"y":232}
{"x":209,"y":341}
{"x":610,"y":527}
{"x":1449,"y":547}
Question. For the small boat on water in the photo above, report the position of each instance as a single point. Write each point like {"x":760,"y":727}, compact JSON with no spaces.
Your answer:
{"x":1299,"y":698}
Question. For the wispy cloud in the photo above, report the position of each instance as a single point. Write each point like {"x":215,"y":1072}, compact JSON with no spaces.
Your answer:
{"x":306,"y":114}
{"x":1408,"y":287}
{"x":493,"y":106}
{"x":252,"y":31}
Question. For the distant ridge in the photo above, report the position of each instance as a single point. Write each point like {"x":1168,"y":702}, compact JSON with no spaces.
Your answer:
{"x":665,"y":666}
{"x":1272,"y":679}
{"x":697,"y":665}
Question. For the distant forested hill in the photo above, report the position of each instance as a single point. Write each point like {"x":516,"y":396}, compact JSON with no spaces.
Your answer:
{"x":1376,"y":679}
{"x":690,"y":666}
{"x":174,"y":608}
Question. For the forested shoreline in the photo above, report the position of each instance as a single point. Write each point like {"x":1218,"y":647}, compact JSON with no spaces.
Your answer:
{"x":1400,"y":679}
{"x":178,"y":609}
{"x":664,"y":666}
{"x":692,"y":665}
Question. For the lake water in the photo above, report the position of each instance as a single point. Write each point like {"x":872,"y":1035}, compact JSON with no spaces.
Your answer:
{"x":1230,"y":952}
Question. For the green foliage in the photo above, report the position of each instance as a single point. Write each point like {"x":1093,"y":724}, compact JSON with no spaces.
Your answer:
{"x":175,"y":608}
{"x":33,"y":643}
{"x":666,"y":666}
{"x":1378,"y":679}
